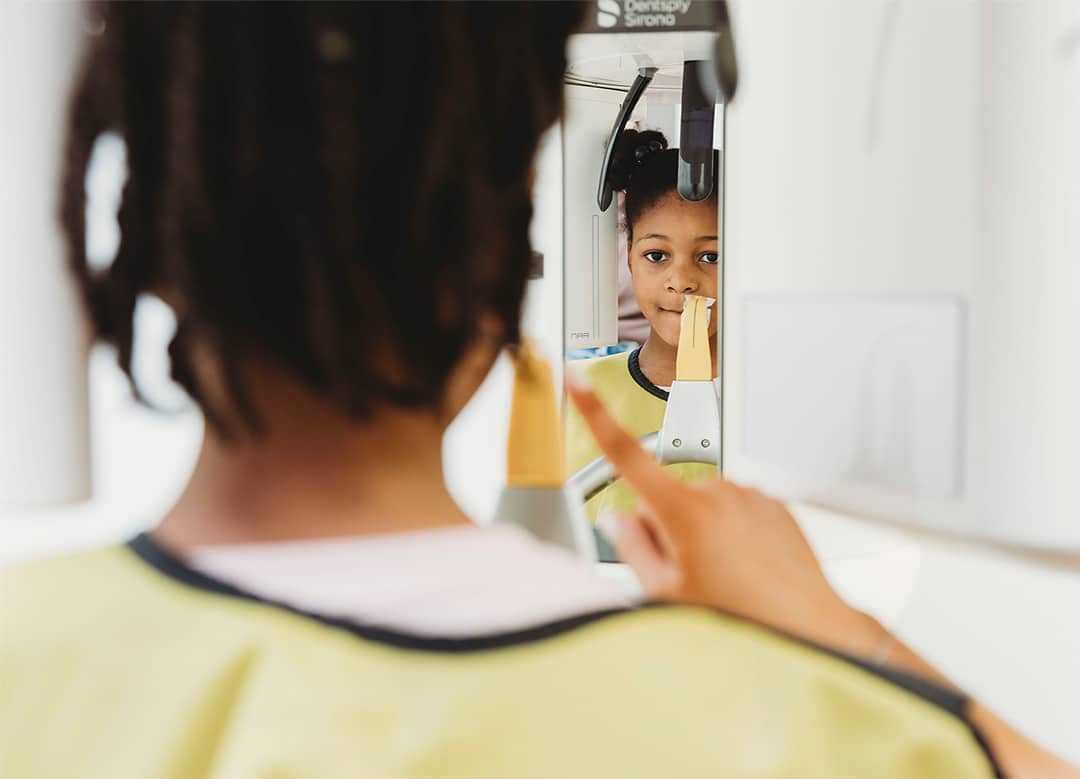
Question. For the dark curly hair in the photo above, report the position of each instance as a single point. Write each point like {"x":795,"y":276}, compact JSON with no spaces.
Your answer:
{"x":645,"y":170}
{"x":340,"y":188}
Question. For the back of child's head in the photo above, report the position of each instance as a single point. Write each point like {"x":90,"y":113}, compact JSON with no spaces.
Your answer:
{"x":340,"y":189}
{"x":646,"y":171}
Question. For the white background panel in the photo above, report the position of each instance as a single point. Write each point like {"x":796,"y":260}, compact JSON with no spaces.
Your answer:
{"x":864,"y":390}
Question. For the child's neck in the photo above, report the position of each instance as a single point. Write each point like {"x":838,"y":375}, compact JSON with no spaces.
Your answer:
{"x":315,"y":475}
{"x":657,"y":360}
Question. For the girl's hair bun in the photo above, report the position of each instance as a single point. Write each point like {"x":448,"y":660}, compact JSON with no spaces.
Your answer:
{"x":633,"y":148}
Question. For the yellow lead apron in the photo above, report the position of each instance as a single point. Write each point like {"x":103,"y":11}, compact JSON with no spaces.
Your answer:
{"x":122,"y":662}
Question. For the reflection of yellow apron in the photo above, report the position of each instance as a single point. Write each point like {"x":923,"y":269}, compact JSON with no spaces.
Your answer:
{"x":635,"y":404}
{"x":121,"y":662}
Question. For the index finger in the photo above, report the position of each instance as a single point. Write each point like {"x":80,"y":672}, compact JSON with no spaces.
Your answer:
{"x":624,"y":452}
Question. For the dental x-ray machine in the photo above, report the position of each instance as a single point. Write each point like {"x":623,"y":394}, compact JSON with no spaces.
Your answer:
{"x":685,"y":73}
{"x":900,"y":225}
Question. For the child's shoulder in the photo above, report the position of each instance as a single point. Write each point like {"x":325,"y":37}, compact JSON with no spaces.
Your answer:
{"x":38,"y":573}
{"x":63,"y":588}
{"x":612,"y":378}
{"x":596,"y":368}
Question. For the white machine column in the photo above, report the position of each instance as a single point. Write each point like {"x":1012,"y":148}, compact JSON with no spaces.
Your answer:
{"x":44,"y":404}
{"x":902,"y":206}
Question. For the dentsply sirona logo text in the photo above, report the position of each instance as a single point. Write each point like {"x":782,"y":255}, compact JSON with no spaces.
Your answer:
{"x":641,"y":13}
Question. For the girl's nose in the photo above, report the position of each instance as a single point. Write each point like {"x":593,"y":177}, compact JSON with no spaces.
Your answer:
{"x":682,"y":280}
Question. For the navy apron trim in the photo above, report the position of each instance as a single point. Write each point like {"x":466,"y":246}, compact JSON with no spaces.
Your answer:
{"x":639,"y":377}
{"x":168,"y":564}
{"x":162,"y":560}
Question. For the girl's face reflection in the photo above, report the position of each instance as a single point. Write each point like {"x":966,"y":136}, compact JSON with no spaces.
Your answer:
{"x":673,"y":252}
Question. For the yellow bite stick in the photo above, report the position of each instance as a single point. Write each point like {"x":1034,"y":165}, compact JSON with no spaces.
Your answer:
{"x":536,"y":497}
{"x":693,"y":361}
{"x":534,"y":452}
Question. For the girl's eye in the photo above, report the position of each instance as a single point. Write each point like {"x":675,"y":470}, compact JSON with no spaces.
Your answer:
{"x":654,"y":256}
{"x":710,"y":257}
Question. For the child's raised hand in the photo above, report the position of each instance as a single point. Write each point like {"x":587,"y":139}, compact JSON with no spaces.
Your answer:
{"x":717,"y":544}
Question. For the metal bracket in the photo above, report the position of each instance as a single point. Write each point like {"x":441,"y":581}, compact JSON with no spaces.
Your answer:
{"x":691,"y":429}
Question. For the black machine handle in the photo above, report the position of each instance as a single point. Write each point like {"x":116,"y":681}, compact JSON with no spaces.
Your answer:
{"x":700,"y":89}
{"x":645,"y":76}
{"x":699,"y":93}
